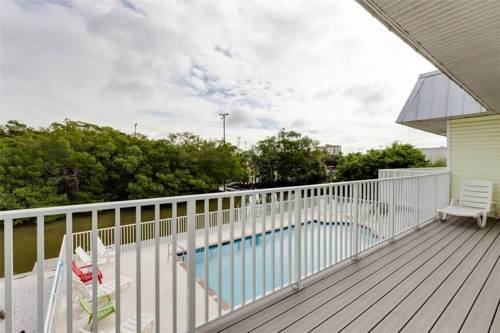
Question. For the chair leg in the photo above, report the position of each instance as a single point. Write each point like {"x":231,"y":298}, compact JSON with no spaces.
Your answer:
{"x":481,"y":220}
{"x":441,"y":217}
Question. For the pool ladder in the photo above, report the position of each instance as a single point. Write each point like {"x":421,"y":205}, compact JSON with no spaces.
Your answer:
{"x":170,"y":243}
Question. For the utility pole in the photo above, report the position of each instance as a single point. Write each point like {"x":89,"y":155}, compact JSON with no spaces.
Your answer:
{"x":135,"y":129}
{"x":223,"y":116}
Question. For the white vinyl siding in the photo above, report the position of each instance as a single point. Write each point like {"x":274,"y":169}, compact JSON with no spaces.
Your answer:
{"x":475,"y":152}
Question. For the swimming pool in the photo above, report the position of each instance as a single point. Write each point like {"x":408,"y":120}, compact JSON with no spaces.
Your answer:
{"x":313,"y":231}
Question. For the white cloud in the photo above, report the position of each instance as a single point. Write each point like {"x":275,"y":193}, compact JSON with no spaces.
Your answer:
{"x":325,"y":68}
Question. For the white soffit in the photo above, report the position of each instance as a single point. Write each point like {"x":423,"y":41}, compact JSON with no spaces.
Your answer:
{"x":460,"y":37}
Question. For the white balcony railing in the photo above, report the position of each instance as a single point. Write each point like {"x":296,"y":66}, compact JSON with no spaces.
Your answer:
{"x":407,"y":172}
{"x":231,"y":248}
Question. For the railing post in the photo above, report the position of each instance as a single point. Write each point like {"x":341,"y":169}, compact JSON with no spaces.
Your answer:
{"x":355,"y":219}
{"x":435,"y":195}
{"x":392,"y":210}
{"x":298,"y":240}
{"x":418,"y":201}
{"x":191,"y":276}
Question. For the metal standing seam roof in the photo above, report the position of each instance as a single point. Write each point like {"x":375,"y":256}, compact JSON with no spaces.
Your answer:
{"x":434,"y":99}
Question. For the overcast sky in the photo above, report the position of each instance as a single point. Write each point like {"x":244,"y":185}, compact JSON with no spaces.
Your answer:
{"x":324,"y":68}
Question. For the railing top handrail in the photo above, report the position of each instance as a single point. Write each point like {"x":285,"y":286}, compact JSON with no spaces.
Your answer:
{"x":82,"y":208}
{"x":416,"y":169}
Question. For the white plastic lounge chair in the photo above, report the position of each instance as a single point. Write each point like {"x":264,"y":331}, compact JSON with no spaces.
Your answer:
{"x":104,"y":251}
{"x":129,"y":326}
{"x":147,"y":324}
{"x":475,"y":201}
{"x":86,"y":259}
{"x":106,"y":289}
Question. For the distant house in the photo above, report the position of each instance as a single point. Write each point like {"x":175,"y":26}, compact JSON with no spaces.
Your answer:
{"x":438,"y":105}
{"x":434,"y":154}
{"x":332,"y":149}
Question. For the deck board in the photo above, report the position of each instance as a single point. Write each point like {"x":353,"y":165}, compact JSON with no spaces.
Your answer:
{"x":454,"y":315}
{"x":483,"y":311}
{"x":433,"y":295}
{"x":414,"y":288}
{"x":441,"y":278}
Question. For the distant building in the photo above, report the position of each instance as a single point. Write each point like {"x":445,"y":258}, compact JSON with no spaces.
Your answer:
{"x":332,"y":149}
{"x":435,"y":153}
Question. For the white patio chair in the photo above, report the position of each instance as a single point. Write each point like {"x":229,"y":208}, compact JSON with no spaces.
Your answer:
{"x":107,"y":288}
{"x":475,"y":201}
{"x":104,"y":251}
{"x":86,"y":259}
{"x":129,"y":326}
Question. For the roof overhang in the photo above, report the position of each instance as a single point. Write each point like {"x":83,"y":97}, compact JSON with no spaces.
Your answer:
{"x":461,"y":38}
{"x":434,"y":100}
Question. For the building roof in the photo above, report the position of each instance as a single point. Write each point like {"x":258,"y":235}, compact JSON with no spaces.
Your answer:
{"x":434,"y":99}
{"x":461,"y":38}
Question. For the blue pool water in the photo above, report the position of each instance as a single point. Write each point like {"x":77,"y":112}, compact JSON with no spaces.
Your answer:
{"x":313,"y":231}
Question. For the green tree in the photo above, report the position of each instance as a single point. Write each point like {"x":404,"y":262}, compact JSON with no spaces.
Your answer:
{"x":288,"y":159}
{"x":358,"y":166}
{"x":76,"y":162}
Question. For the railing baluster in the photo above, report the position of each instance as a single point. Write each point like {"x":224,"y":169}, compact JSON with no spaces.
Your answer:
{"x":254,"y":245}
{"x":323,"y":219}
{"x":40,"y":252}
{"x":289,"y":256}
{"x":191,"y":272}
{"x":69,"y":273}
{"x":94,"y":271}
{"x":312,"y":241}
{"x":298,"y":238}
{"x":219,"y":255}
{"x":392,"y":211}
{"x":243,"y":221}
{"x":281,"y":258}
{"x":157,"y":267}
{"x":173,"y":231}
{"x":206,"y":211}
{"x":337,"y":224}
{"x":263,"y":235}
{"x":8,"y":270}
{"x":318,"y":229}
{"x":231,"y":254}
{"x":273,"y":240}
{"x":354,"y":213}
{"x":306,"y":228}
{"x":138,"y":268}
{"x":345,"y":225}
{"x":330,"y":229}
{"x":118,"y":243}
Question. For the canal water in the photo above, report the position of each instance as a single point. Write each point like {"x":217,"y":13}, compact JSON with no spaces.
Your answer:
{"x":25,"y":234}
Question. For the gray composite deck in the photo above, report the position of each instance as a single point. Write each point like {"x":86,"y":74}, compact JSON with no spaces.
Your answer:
{"x":444,"y":277}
